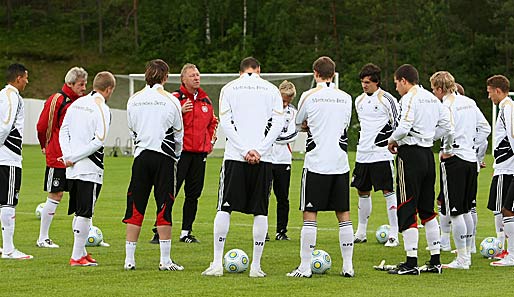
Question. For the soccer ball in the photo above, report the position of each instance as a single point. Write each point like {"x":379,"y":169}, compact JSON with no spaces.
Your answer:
{"x":491,"y":247}
{"x":235,"y":261}
{"x":39,"y":209}
{"x":382,"y":233}
{"x":94,"y":237}
{"x":320,"y":262}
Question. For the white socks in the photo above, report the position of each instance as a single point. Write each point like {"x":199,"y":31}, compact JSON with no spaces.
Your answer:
{"x":390,"y":199}
{"x":410,"y":242}
{"x":364,"y":213}
{"x":346,"y":244}
{"x":130,"y":251}
{"x":459,"y":233}
{"x":307,"y":244}
{"x":7,"y":217}
{"x":498,"y":223}
{"x":260,"y":228}
{"x":184,"y":233}
{"x":433,"y":236}
{"x":221,"y":226}
{"x":445,"y":222}
{"x":80,"y":231}
{"x":47,"y":215}
{"x":508,"y":222}
{"x":468,"y":219}
{"x":165,"y":246}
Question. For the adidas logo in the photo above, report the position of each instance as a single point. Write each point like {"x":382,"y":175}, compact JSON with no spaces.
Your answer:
{"x":288,"y":168}
{"x":454,"y":209}
{"x":309,"y":205}
{"x":226,"y":204}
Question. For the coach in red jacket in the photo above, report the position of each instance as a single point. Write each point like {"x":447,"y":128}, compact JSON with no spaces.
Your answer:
{"x":48,"y":128}
{"x":199,"y":136}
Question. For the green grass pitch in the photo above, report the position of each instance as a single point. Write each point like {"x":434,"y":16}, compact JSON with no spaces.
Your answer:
{"x":49,"y":273}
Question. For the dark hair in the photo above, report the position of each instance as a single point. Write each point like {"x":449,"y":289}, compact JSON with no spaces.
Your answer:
{"x":409,"y":72}
{"x":325,"y":67}
{"x":499,"y":82}
{"x":371,"y":70}
{"x":156,"y":71}
{"x":13,"y":71}
{"x":249,"y":62}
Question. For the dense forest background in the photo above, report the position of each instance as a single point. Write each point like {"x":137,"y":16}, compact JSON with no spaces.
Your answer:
{"x":473,"y":39}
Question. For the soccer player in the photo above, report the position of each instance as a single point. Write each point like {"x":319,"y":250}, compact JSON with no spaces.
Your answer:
{"x":251,"y":115}
{"x":501,"y":195}
{"x":155,"y":123}
{"x":11,"y":134}
{"x":82,"y":136}
{"x":48,"y":126}
{"x":199,"y":137}
{"x":458,"y":171}
{"x":377,"y":111}
{"x":282,"y":157}
{"x":325,"y":113}
{"x":423,"y":118}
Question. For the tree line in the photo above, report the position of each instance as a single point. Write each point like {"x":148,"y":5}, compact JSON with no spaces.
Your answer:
{"x":473,"y":39}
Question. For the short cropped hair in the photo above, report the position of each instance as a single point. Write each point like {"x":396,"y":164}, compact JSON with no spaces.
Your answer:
{"x":15,"y":70}
{"x":104,"y":80}
{"x":156,"y":71}
{"x":249,"y":62}
{"x":371,"y":70}
{"x":74,"y":74}
{"x":287,"y":88}
{"x":499,"y":81}
{"x":186,"y":67}
{"x":443,"y":80}
{"x":325,"y":67}
{"x":409,"y":72}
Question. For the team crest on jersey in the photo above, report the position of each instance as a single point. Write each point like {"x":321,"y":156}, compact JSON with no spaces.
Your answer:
{"x":55,"y":183}
{"x":205,"y":108}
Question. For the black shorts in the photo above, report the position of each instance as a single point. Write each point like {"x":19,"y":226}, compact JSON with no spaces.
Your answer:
{"x":415,"y":181}
{"x":55,"y":180}
{"x":499,"y":192}
{"x":83,"y":196}
{"x":377,"y":174}
{"x":458,"y":184}
{"x":244,"y":187}
{"x":10,"y":182}
{"x":324,"y":192}
{"x":151,"y":169}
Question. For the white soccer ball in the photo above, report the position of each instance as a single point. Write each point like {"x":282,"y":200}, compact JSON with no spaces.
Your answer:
{"x":235,"y":261}
{"x":491,"y":247}
{"x":382,"y":233}
{"x":94,"y":237}
{"x":320,"y":262}
{"x":39,"y":210}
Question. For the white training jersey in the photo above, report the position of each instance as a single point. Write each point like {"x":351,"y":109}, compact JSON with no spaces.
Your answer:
{"x":504,"y":139}
{"x":281,"y":151}
{"x":470,"y":126}
{"x":327,"y":111}
{"x":378,"y":116}
{"x":423,"y":119}
{"x":251,"y":116}
{"x":82,"y":136}
{"x":11,"y":126}
{"x":155,"y":121}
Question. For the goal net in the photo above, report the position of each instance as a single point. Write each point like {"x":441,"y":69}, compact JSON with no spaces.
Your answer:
{"x":212,"y":83}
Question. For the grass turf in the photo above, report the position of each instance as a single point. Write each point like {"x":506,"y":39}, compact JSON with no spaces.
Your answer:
{"x":49,"y":273}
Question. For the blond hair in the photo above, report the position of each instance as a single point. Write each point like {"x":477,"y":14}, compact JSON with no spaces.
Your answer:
{"x":287,"y":88}
{"x":104,"y":80}
{"x":443,"y":80}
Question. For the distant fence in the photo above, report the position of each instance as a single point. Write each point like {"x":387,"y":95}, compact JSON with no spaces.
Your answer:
{"x":118,"y":131}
